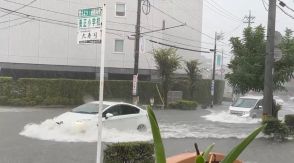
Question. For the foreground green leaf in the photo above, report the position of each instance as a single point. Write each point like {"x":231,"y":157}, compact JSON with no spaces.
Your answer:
{"x":236,"y":151}
{"x":158,"y":145}
{"x":200,"y":159}
{"x":207,"y":151}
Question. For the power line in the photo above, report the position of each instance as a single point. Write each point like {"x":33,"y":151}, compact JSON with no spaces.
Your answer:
{"x":47,"y":10}
{"x":118,"y":30}
{"x":220,"y":12}
{"x":14,"y":25}
{"x":285,"y":12}
{"x":233,"y":30}
{"x":177,"y":42}
{"x":35,"y":17}
{"x":283,"y":4}
{"x":167,"y":34}
{"x":177,"y":47}
{"x":12,"y":11}
{"x":62,"y":13}
{"x":179,"y":21}
{"x":163,"y":29}
{"x":65,"y":23}
{"x":163,"y":12}
{"x":6,"y":21}
{"x":45,"y":20}
{"x":236,"y":17}
{"x":264,"y":5}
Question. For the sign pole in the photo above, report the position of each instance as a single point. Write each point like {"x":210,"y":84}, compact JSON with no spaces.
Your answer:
{"x":103,"y":41}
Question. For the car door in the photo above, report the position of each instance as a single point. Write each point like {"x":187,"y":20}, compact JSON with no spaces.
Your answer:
{"x":124,"y":117}
{"x":257,"y":111}
{"x":130,"y":116}
{"x":112,"y":122}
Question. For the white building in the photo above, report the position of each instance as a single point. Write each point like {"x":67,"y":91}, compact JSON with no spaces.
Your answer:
{"x":39,"y":39}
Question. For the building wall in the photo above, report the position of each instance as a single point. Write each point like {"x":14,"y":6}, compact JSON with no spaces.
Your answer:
{"x":36,"y":42}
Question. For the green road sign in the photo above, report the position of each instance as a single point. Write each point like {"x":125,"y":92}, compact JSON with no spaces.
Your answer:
{"x":90,"y":18}
{"x":90,"y":12}
{"x":218,"y":60}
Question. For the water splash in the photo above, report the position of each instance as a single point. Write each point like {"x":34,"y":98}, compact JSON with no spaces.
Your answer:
{"x":226,"y":117}
{"x":49,"y":130}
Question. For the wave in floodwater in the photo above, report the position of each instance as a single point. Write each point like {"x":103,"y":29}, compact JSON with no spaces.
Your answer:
{"x":49,"y":130}
{"x":226,"y":117}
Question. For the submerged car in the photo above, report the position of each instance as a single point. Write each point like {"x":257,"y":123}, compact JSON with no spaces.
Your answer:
{"x":247,"y":106}
{"x":115,"y":115}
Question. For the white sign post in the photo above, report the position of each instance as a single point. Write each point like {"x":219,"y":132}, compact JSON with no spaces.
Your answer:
{"x":99,"y":140}
{"x":92,"y":29}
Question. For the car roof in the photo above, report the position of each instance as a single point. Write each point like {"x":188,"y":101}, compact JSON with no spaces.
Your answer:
{"x":110,"y":103}
{"x":253,"y":97}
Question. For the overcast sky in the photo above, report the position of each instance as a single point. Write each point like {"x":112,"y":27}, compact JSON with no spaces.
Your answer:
{"x":215,"y":21}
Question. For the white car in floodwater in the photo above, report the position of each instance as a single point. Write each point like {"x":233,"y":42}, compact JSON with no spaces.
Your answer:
{"x":247,"y":106}
{"x":250,"y":106}
{"x":116,"y":115}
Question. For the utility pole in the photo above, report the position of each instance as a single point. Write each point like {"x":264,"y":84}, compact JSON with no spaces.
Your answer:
{"x":213,"y":71}
{"x":249,"y":19}
{"x":136,"y":53}
{"x":269,"y":59}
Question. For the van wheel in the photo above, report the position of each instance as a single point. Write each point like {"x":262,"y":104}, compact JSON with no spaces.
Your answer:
{"x":141,"y":128}
{"x":254,"y":116}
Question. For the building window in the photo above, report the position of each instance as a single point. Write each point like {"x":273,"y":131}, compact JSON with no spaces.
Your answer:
{"x":120,"y":9}
{"x":119,"y":46}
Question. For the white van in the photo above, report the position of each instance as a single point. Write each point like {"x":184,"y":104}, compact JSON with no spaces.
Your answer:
{"x":247,"y":106}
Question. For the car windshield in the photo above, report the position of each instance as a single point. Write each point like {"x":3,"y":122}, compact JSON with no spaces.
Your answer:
{"x":245,"y":103}
{"x":88,"y":108}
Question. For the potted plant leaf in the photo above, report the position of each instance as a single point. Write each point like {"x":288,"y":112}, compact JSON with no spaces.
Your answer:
{"x":206,"y":157}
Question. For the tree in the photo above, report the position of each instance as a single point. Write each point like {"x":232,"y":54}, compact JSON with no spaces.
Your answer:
{"x":167,"y":61}
{"x":247,"y":67}
{"x":194,"y":74}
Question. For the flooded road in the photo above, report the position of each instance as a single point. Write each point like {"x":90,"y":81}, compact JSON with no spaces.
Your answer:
{"x":27,"y":135}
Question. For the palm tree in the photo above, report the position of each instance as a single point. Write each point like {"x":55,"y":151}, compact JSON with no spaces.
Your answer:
{"x":194,"y":74}
{"x":167,"y":62}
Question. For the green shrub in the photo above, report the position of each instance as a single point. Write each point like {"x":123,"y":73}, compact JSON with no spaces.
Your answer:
{"x":32,"y":91}
{"x":183,"y":105}
{"x":202,"y":92}
{"x":289,"y":121}
{"x":133,"y":152}
{"x":275,"y":129}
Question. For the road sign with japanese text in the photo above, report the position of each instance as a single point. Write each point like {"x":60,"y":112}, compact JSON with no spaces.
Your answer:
{"x":89,"y":25}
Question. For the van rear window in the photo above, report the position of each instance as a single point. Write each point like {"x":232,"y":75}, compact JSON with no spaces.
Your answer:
{"x":245,"y":103}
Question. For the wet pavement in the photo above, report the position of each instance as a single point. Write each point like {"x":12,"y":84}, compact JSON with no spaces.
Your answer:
{"x":180,"y":130}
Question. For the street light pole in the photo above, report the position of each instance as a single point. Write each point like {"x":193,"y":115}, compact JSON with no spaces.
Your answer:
{"x":136,"y":53}
{"x":269,"y":59}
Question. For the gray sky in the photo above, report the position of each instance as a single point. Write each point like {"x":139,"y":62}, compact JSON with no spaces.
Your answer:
{"x":213,"y":21}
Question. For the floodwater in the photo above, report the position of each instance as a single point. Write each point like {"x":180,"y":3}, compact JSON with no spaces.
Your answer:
{"x":210,"y":123}
{"x":180,"y":129}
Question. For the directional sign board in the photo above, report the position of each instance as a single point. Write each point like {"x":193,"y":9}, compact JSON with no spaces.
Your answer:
{"x":89,"y":25}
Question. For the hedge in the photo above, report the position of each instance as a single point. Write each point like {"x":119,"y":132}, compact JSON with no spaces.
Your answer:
{"x":69,"y":92}
{"x":202,"y":92}
{"x":289,"y":121}
{"x":133,"y":152}
{"x":183,"y":105}
{"x":32,"y":91}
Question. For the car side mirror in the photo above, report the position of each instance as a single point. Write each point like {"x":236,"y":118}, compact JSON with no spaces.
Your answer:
{"x":108,"y":115}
